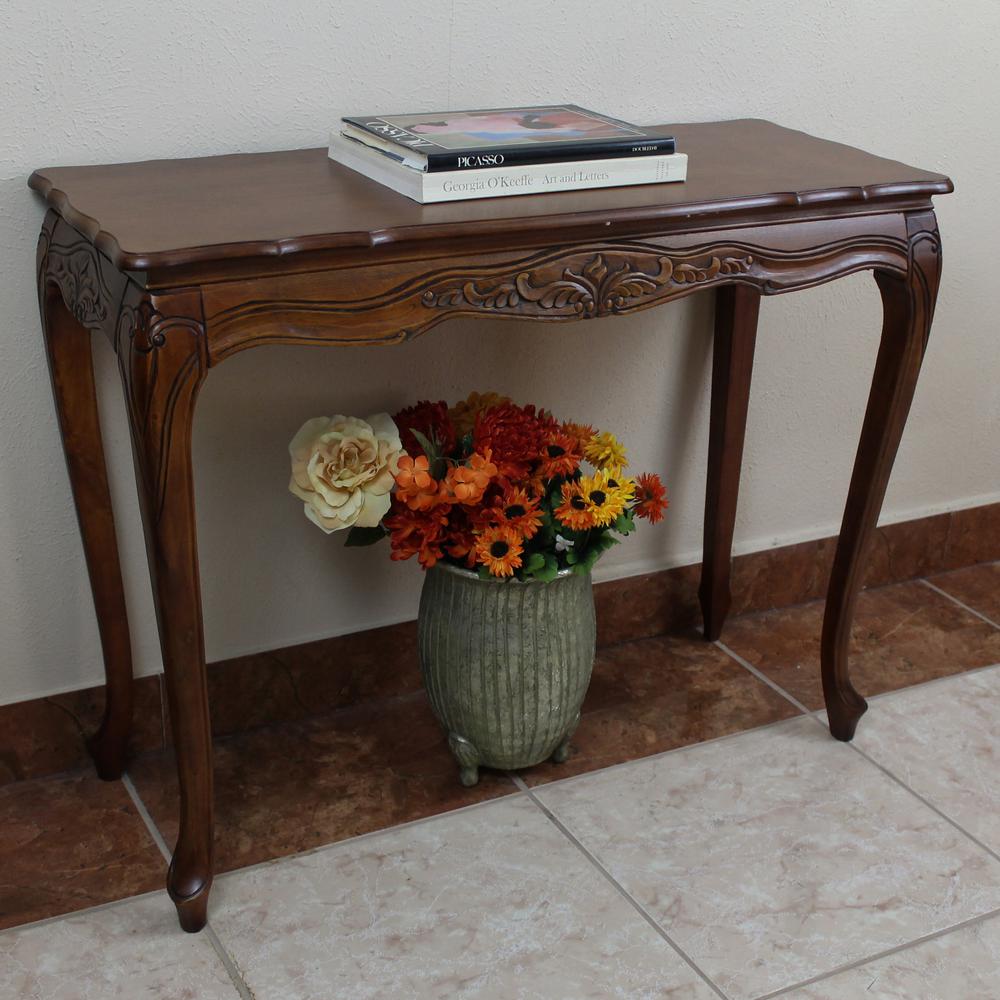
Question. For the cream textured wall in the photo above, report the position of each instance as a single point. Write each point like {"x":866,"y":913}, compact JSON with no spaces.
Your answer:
{"x":129,"y":79}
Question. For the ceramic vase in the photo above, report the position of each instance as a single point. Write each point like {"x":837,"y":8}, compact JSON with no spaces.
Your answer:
{"x":506,"y":664}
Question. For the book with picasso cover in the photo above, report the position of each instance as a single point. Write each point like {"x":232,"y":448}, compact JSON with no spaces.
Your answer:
{"x":494,"y":182}
{"x":474,"y":140}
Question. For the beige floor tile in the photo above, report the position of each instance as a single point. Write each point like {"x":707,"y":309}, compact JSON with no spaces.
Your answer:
{"x":962,"y":965}
{"x":490,"y":902}
{"x":943,"y":740}
{"x":778,"y":855}
{"x":121,"y":952}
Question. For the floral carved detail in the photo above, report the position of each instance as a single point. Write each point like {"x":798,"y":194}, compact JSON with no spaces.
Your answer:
{"x":606,"y":283}
{"x":77,"y":273}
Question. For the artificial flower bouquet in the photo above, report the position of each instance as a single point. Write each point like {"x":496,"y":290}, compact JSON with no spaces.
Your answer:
{"x":486,"y":484}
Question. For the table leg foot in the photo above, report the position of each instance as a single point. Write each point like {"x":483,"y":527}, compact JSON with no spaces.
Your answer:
{"x":192,"y":911}
{"x":109,"y":749}
{"x":843,"y":714}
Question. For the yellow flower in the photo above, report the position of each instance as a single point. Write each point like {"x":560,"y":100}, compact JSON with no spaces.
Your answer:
{"x":605,"y":451}
{"x":621,"y":485}
{"x":603,"y":496}
{"x":463,"y":414}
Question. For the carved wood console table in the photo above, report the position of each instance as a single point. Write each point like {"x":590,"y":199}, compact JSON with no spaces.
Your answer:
{"x":183,"y":263}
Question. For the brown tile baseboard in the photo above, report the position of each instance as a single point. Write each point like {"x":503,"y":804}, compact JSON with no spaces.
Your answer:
{"x":47,"y":735}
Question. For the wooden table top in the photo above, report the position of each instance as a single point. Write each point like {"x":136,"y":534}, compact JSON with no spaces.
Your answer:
{"x":164,"y":213}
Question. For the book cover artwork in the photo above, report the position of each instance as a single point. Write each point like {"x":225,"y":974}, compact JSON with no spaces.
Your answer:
{"x":461,"y":130}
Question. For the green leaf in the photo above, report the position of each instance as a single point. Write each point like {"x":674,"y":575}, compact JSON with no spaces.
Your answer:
{"x":534,"y":562}
{"x":437,"y":464}
{"x":484,"y":573}
{"x":624,"y":524}
{"x":365,"y":536}
{"x":429,"y":450}
{"x":549,"y":571}
{"x":572,"y":557}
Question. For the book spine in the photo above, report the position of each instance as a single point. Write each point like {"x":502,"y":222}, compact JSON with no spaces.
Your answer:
{"x":557,"y":153}
{"x":498,"y":182}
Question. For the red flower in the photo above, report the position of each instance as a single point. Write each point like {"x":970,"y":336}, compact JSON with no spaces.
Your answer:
{"x":417,"y":533}
{"x":431,"y":420}
{"x":650,"y":496}
{"x":460,"y":542}
{"x":516,"y":435}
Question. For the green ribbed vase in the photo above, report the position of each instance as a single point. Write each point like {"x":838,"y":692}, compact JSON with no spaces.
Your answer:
{"x":506,"y":664}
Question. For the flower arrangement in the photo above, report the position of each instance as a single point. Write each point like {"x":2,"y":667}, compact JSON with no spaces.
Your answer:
{"x":486,"y":484}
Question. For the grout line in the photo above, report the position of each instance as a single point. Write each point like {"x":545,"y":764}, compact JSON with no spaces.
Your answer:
{"x":920,"y":798}
{"x":151,"y":826}
{"x":229,"y":965}
{"x":961,"y":604}
{"x":878,"y":956}
{"x":934,"y":680}
{"x":85,"y":911}
{"x":636,"y":761}
{"x":762,"y":676}
{"x":635,"y":904}
{"x":239,"y":984}
{"x":320,"y":848}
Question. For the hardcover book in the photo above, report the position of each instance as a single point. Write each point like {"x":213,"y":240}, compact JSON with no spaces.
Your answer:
{"x":497,"y":182}
{"x":476,"y":140}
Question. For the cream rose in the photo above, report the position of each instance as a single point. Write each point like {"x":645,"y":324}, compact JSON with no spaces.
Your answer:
{"x":343,"y":469}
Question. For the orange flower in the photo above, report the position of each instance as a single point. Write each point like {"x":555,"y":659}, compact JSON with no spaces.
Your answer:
{"x":574,"y":512}
{"x":418,"y":533}
{"x":499,"y":549}
{"x":414,"y":484}
{"x":651,"y":497}
{"x":467,"y":483}
{"x":561,"y":456}
{"x":516,"y":510}
{"x":463,"y":415}
{"x":581,"y":434}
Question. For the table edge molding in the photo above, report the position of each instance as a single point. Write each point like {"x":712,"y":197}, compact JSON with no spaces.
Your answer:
{"x":640,"y":216}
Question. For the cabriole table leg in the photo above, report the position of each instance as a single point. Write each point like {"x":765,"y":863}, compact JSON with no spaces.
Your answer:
{"x":908,"y":306}
{"x":736,"y":311}
{"x":163,"y":361}
{"x":68,"y":345}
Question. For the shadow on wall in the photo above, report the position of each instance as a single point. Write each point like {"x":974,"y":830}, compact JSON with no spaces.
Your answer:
{"x":271,"y":578}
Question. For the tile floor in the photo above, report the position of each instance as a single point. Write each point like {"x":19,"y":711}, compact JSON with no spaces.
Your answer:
{"x":706,"y":839}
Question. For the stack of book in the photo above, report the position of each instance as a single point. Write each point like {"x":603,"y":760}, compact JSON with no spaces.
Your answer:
{"x":456,"y":155}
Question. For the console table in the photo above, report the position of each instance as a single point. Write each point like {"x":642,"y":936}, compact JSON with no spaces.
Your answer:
{"x":183,"y":263}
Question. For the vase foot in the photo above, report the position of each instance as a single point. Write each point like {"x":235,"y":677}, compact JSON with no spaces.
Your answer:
{"x":468,"y":759}
{"x":561,"y":753}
